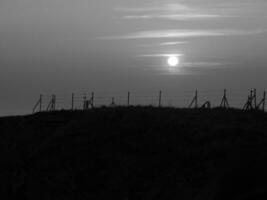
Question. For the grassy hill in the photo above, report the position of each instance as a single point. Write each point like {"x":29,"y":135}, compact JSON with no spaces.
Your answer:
{"x":134,"y":153}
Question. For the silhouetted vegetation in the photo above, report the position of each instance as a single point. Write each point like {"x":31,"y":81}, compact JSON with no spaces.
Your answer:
{"x":135,"y":153}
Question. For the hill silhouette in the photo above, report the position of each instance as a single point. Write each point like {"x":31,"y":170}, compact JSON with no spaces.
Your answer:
{"x":135,"y":153}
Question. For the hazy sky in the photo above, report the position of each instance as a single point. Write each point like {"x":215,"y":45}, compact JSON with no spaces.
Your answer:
{"x":64,"y":46}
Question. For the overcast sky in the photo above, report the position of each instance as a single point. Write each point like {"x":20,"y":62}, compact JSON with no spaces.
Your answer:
{"x":106,"y":46}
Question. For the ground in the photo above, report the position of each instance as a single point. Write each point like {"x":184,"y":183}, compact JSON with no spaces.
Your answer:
{"x":134,"y":153}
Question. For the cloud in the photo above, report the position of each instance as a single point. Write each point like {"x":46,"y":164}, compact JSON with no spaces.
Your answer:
{"x":172,"y":33}
{"x":181,"y":17}
{"x":203,"y":64}
{"x":160,"y":55}
{"x":165,"y":44}
{"x":172,"y":43}
{"x":173,"y":12}
{"x":150,"y":8}
{"x":194,"y":10}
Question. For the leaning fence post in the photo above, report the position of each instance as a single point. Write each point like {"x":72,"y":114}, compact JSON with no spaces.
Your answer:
{"x":264,"y":100}
{"x":54,"y":101}
{"x":196,"y":102}
{"x":41,"y":101}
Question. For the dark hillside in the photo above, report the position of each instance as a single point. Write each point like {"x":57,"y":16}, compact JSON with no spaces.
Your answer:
{"x":134,"y":153}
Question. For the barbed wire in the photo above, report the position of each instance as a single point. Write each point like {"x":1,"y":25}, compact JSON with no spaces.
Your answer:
{"x":236,"y":98}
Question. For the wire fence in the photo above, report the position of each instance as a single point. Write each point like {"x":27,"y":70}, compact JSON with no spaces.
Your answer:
{"x":182,"y":99}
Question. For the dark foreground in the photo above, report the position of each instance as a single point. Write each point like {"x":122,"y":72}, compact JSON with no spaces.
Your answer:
{"x":134,"y":153}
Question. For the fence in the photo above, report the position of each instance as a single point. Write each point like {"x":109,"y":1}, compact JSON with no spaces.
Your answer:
{"x":246,"y":100}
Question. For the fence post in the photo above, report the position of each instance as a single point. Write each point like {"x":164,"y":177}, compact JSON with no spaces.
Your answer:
{"x":72,"y":101}
{"x":92,"y":99}
{"x":224,"y":102}
{"x":255,"y":98}
{"x":112,"y":102}
{"x":54,"y":101}
{"x":264,"y":100}
{"x":128,"y":99}
{"x":38,"y":104}
{"x":41,"y":102}
{"x":84,"y":102}
{"x":160,"y":95}
{"x":196,"y":102}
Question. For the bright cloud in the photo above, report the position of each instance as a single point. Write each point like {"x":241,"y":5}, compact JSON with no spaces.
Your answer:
{"x":157,"y":34}
{"x":160,"y":55}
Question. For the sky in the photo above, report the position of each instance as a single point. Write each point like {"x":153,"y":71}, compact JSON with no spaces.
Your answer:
{"x":114,"y":46}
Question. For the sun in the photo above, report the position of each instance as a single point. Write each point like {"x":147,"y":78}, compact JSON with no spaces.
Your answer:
{"x":173,"y":61}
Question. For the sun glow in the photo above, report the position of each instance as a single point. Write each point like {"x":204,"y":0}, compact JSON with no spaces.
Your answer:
{"x":173,"y":61}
